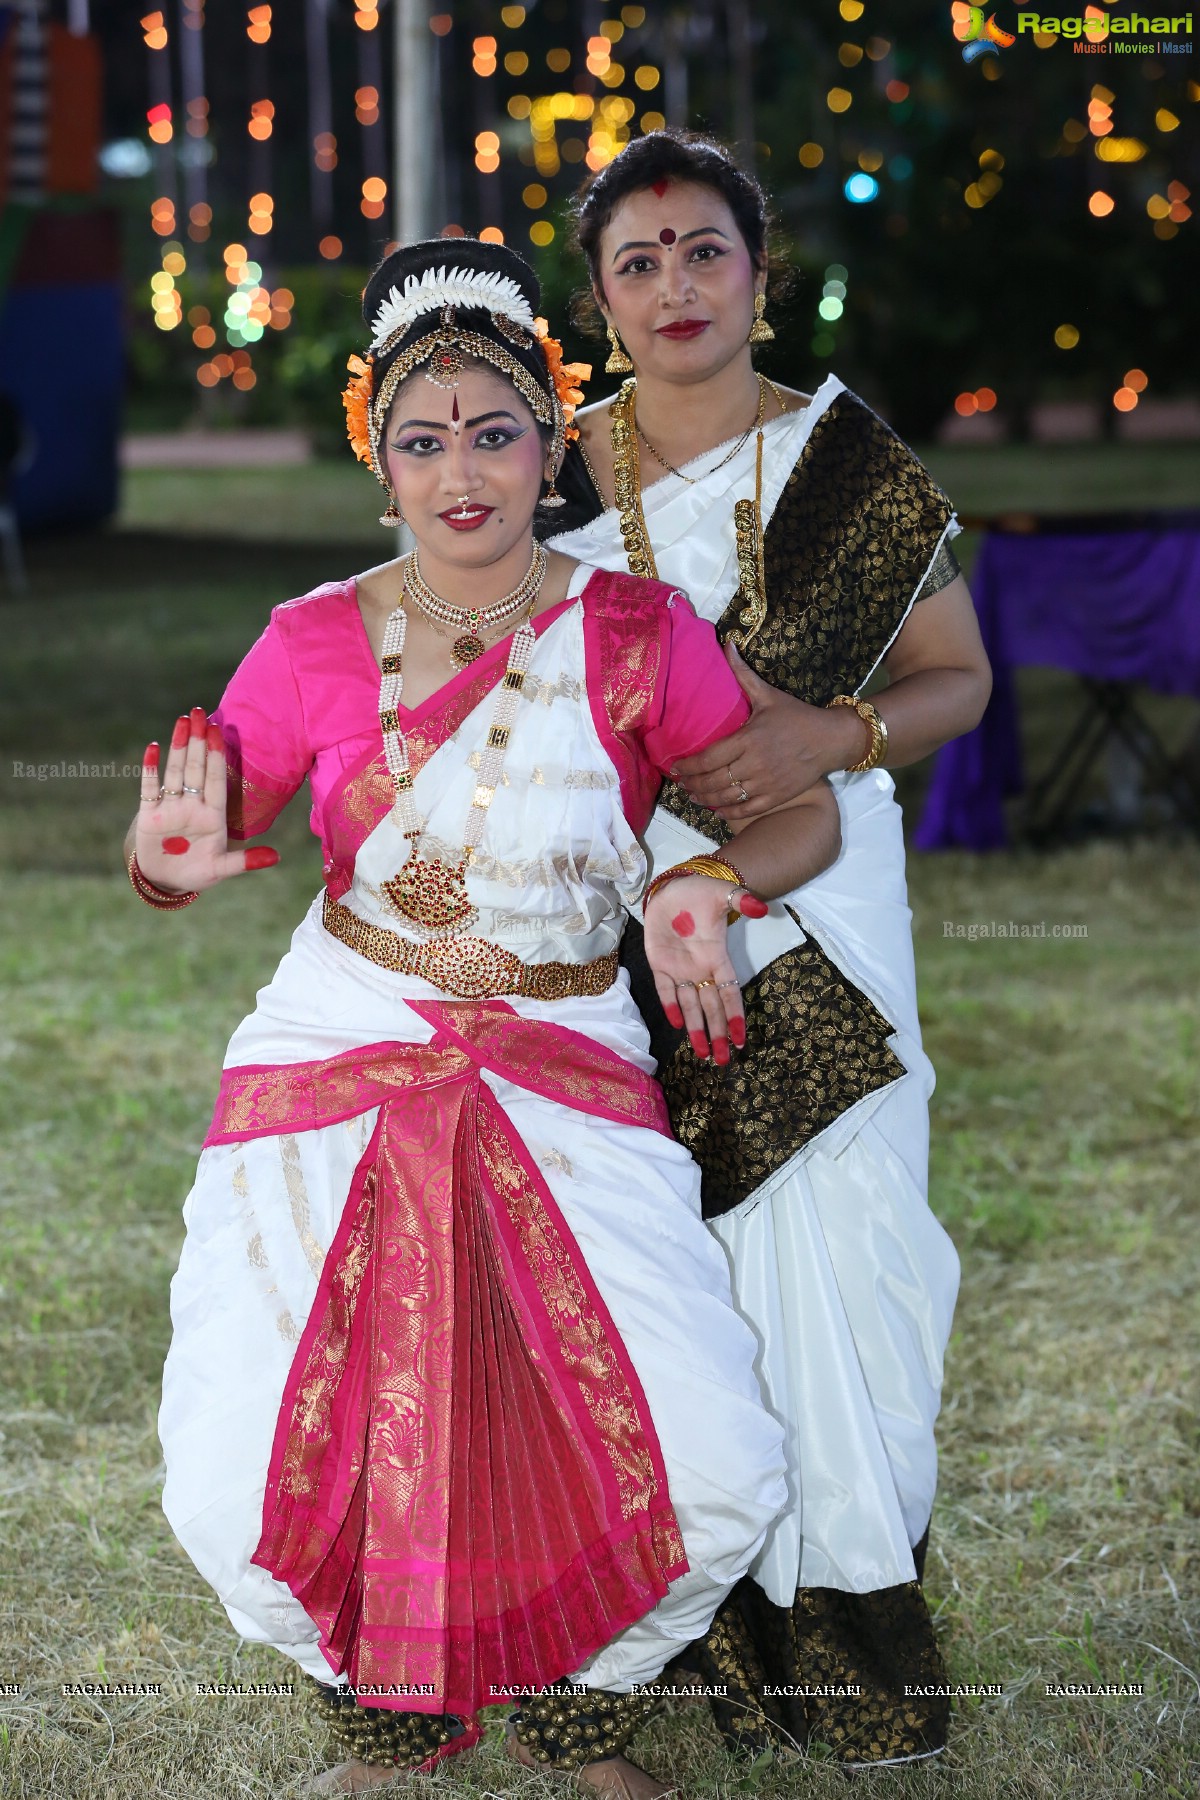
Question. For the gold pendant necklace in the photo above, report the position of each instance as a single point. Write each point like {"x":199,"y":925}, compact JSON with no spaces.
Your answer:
{"x":754,"y":425}
{"x":429,"y":892}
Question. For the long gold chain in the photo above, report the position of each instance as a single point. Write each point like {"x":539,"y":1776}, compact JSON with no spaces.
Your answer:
{"x":754,"y":425}
{"x":747,"y":515}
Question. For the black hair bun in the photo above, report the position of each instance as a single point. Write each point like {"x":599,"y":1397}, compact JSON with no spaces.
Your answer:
{"x":448,"y":253}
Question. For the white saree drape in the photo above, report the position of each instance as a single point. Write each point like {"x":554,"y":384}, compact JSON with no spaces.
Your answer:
{"x":838,"y":1265}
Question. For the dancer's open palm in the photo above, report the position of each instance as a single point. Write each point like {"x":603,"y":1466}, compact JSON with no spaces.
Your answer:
{"x":181,"y":841}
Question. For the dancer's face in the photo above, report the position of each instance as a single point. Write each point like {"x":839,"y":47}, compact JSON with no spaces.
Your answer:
{"x":677,"y":281}
{"x":466,"y":465}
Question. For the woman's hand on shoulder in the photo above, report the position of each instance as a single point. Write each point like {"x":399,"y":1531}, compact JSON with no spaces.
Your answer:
{"x":180,"y":835}
{"x":783,"y":750}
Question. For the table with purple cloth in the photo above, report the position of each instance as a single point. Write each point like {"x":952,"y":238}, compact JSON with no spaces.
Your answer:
{"x":1110,"y":600}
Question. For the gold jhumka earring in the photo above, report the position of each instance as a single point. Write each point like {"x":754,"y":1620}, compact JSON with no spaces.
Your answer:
{"x":618,"y":361}
{"x":760,"y":331}
{"x":393,"y":515}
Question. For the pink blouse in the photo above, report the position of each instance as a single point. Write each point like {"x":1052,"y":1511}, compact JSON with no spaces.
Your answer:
{"x":304,"y":702}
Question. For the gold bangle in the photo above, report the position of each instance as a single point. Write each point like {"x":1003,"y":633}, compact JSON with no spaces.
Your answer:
{"x":717,"y":867}
{"x":877,"y":748}
{"x":162,"y":899}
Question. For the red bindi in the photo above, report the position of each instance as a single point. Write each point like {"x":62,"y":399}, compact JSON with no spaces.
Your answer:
{"x":666,"y":235}
{"x":660,"y":187}
{"x":683,"y":924}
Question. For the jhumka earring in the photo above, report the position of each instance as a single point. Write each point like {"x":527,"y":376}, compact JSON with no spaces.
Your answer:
{"x":760,"y":331}
{"x":393,"y":515}
{"x":618,"y":362}
{"x":553,"y":498}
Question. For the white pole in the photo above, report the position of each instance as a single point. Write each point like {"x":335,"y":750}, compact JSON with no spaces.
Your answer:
{"x":416,"y":124}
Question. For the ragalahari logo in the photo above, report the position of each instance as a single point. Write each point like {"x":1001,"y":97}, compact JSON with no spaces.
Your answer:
{"x":979,"y":36}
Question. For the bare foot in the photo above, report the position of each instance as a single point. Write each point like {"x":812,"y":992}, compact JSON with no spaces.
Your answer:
{"x":355,"y":1777}
{"x":615,"y":1775}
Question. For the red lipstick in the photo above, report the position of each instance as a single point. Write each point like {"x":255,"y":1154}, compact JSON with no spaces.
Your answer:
{"x":466,"y":518}
{"x":684,"y":328}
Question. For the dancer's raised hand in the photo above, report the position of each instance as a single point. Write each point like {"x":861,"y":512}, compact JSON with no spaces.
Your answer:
{"x":181,"y":840}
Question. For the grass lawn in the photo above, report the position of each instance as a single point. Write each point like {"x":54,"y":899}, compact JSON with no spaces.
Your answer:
{"x":1065,"y":1130}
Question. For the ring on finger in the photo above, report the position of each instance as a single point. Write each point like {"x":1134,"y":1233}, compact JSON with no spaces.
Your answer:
{"x":701,"y":984}
{"x":733,"y":780}
{"x":742,"y":794}
{"x":170,"y":793}
{"x":725,"y":984}
{"x":199,"y":792}
{"x":686,"y":984}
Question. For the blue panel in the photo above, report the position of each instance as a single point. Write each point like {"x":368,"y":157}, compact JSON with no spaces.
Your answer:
{"x":62,"y":362}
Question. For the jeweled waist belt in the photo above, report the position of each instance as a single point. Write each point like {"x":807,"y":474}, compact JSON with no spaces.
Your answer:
{"x":470,"y":968}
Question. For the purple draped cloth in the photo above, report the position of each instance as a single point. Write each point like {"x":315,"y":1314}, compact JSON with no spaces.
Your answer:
{"x":1121,"y":604}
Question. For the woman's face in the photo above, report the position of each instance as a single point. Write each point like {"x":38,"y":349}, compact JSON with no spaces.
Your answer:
{"x":466,"y":465}
{"x":677,"y":281}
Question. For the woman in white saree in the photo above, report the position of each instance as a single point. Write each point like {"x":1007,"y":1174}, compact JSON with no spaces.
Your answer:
{"x":457,"y":1402}
{"x":812,"y":537}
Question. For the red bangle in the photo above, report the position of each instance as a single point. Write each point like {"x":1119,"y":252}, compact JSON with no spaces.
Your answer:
{"x":160,"y":898}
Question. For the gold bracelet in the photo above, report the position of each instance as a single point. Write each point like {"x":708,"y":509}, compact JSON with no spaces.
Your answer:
{"x":877,"y":749}
{"x":160,"y":898}
{"x":719,"y":868}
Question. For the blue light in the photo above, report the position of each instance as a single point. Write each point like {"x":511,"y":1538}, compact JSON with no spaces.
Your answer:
{"x":860,"y":188}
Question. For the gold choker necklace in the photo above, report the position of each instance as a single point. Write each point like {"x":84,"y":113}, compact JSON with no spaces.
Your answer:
{"x":471,"y":620}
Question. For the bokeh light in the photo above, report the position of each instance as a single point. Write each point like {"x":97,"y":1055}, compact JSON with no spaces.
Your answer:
{"x":860,"y":188}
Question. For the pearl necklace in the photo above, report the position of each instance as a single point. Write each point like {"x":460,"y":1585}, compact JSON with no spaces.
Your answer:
{"x":471,"y":620}
{"x":429,"y":893}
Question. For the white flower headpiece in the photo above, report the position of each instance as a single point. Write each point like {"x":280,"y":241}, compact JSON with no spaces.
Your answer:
{"x":436,"y":288}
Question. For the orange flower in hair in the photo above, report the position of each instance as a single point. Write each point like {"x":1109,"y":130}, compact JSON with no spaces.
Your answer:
{"x":356,"y":398}
{"x":565,"y":376}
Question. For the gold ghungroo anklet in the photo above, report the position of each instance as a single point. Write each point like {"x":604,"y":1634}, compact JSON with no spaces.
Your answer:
{"x":379,"y":1734}
{"x":568,"y":1726}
